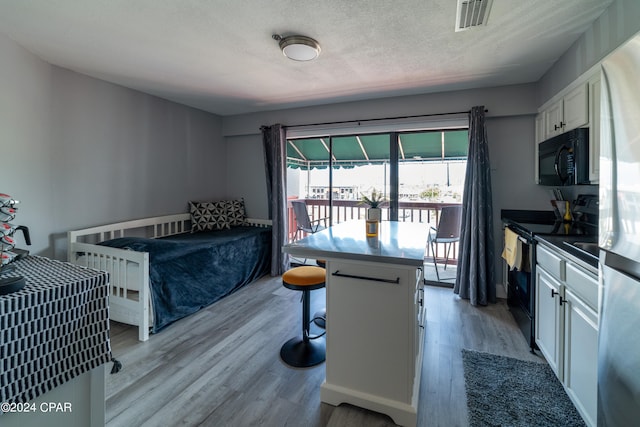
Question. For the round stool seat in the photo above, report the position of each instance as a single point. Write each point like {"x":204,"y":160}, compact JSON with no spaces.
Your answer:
{"x":306,"y":277}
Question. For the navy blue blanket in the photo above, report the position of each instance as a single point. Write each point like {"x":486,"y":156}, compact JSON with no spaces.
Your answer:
{"x":191,"y":271}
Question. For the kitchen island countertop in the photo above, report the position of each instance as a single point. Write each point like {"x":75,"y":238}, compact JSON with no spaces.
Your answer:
{"x":401,"y":243}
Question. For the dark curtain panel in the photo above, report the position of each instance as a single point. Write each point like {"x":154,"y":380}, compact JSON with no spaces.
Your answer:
{"x":275,"y":157}
{"x":475,"y":279}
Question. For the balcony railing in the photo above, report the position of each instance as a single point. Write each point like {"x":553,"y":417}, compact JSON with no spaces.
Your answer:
{"x":427,"y":213}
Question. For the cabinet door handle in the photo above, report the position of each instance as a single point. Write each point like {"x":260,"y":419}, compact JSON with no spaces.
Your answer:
{"x":374,"y":279}
{"x":555,"y":127}
{"x":562,"y":300}
{"x":554,"y":293}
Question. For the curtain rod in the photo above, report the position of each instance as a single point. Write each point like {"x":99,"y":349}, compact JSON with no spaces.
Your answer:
{"x":379,"y":119}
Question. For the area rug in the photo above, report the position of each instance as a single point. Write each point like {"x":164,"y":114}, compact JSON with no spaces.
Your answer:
{"x":502,"y":391}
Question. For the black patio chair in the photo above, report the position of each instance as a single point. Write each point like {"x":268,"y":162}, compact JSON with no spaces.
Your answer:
{"x":303,"y":222}
{"x":448,"y":232}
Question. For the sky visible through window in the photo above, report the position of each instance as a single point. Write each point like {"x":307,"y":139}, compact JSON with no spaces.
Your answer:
{"x":416,"y":179}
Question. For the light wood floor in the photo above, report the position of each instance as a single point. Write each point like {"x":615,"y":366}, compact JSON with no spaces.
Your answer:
{"x":221,"y":366}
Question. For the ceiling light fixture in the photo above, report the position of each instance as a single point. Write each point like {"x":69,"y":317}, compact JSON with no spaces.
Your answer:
{"x":298,"y":48}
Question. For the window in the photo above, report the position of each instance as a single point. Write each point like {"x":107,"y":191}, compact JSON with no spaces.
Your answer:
{"x":431,"y":166}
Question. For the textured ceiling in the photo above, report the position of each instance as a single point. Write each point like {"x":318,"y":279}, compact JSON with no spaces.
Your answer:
{"x":218,"y":55}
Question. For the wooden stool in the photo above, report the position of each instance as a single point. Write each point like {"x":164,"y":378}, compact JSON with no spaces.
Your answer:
{"x":305,"y":351}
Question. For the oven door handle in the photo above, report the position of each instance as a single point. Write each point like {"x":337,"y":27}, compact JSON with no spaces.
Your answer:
{"x":522,"y":238}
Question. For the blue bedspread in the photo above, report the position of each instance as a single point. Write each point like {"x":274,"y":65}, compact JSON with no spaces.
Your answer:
{"x":190,"y":271}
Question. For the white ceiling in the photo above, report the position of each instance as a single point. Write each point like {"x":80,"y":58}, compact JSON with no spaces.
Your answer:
{"x":219,"y":56}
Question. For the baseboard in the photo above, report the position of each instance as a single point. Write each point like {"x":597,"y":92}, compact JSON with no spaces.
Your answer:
{"x":439,"y":284}
{"x":500,"y":288}
{"x":501,"y":291}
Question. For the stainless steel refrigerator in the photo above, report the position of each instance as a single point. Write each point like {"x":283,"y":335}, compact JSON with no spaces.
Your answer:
{"x":619,"y":240}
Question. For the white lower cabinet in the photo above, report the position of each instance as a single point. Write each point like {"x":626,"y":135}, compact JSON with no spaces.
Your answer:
{"x":581,"y":356}
{"x":566,"y":327}
{"x":549,"y":320}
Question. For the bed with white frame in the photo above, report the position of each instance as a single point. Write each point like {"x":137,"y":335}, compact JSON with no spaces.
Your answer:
{"x":129,"y":296}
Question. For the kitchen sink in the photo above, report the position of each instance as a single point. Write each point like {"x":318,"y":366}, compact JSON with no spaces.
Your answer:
{"x":590,"y":248}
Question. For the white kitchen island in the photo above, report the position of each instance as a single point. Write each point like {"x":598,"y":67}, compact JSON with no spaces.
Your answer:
{"x":375,"y":314}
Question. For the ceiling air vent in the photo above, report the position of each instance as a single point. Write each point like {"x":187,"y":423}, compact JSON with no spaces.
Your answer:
{"x":472,"y":13}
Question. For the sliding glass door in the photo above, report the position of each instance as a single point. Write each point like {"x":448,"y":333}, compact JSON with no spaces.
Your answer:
{"x":418,"y":172}
{"x":331,"y":174}
{"x":431,"y":169}
{"x":360,"y":167}
{"x":308,"y":179}
{"x":431,"y":172}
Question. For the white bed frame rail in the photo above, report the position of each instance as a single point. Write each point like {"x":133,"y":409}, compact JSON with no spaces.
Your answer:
{"x":129,"y":295}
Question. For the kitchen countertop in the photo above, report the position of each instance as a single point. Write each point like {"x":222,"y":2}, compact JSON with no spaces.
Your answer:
{"x":541,"y":224}
{"x":401,"y":243}
{"x":532,"y":216}
{"x":562,"y":244}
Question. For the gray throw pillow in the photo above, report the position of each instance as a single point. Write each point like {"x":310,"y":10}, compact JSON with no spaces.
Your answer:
{"x":207,"y":216}
{"x":236,"y":212}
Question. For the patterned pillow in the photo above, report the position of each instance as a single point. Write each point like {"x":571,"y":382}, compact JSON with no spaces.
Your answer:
{"x":206,"y":216}
{"x":236,"y":212}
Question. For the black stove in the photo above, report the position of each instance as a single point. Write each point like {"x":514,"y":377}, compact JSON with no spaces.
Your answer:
{"x":555,"y":228}
{"x":528,"y":224}
{"x":531,"y":223}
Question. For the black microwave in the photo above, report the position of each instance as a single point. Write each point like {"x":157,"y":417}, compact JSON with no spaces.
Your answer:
{"x":564,"y":159}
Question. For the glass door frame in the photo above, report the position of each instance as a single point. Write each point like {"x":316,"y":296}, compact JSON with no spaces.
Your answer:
{"x":393,"y":177}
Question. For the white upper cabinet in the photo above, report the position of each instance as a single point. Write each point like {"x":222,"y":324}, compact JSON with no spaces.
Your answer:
{"x":569,"y":112}
{"x":576,"y":106}
{"x":554,"y":119}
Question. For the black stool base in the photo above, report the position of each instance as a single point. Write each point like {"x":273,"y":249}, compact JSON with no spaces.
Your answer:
{"x":319,"y":318}
{"x":303,"y":354}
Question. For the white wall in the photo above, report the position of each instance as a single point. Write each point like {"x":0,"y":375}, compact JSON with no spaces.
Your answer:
{"x":246,"y":176}
{"x":78,"y":151}
{"x":619,"y":22}
{"x":25,"y":123}
{"x":501,"y":101}
{"x":510,"y":129}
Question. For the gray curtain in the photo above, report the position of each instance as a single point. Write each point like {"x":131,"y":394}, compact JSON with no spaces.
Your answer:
{"x":475,"y":279}
{"x":275,"y":155}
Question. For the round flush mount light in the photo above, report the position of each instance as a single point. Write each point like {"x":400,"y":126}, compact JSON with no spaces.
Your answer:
{"x":298,"y":48}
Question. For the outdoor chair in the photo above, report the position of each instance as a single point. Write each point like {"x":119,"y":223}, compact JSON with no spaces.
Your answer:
{"x":303,"y":222}
{"x":447,"y":232}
